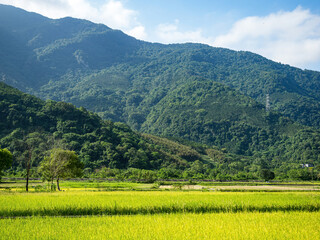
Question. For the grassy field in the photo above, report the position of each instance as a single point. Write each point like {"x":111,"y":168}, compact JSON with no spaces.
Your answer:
{"x":37,"y":185}
{"x":276,"y":225}
{"x":75,"y":203}
{"x":93,"y":210}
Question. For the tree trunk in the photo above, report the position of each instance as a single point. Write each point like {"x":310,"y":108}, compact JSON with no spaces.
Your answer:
{"x":28,"y":170}
{"x":52,"y":184}
{"x":27,"y":182}
{"x":58,"y":184}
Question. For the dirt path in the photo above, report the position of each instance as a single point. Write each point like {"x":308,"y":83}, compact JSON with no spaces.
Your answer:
{"x":262,"y":187}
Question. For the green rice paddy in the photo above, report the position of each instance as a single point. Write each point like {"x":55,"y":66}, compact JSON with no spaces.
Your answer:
{"x":83,"y":214}
{"x":132,"y":202}
{"x":244,"y":225}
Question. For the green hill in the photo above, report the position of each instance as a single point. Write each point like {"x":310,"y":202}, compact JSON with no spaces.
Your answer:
{"x":28,"y":122}
{"x":90,"y":65}
{"x":189,"y":92}
{"x":214,"y":114}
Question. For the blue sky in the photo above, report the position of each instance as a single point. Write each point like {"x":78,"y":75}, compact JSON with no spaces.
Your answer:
{"x":286,"y":31}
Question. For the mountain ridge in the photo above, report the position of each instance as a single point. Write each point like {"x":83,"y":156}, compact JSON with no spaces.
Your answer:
{"x":28,"y":123}
{"x":127,"y":80}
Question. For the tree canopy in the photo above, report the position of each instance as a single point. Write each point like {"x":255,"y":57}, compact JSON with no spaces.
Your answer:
{"x":60,"y":164}
{"x":5,"y":160}
{"x":123,"y":79}
{"x":208,"y":101}
{"x":227,"y":140}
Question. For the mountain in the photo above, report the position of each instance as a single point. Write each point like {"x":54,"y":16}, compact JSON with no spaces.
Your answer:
{"x":212,"y":113}
{"x":31,"y":125}
{"x":90,"y":65}
{"x":192,"y":92}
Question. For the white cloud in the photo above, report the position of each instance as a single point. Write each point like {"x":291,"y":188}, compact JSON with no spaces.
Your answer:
{"x":291,"y":37}
{"x":170,"y":33}
{"x":138,"y":32}
{"x":117,"y":15}
{"x":288,"y":37}
{"x":112,"y":13}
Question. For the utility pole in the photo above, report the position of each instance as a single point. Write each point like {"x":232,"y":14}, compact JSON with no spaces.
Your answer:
{"x":267,"y":103}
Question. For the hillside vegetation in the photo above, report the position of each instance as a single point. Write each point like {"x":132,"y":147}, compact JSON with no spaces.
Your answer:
{"x":209,"y":100}
{"x":30,"y":124}
{"x":90,"y":65}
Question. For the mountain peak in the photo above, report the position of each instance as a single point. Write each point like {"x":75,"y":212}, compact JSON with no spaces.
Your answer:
{"x":90,"y":65}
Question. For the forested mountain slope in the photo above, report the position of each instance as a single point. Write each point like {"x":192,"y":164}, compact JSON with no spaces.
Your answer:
{"x":28,"y":123}
{"x":275,"y":142}
{"x":214,"y":114}
{"x":123,"y":79}
{"x":192,"y":91}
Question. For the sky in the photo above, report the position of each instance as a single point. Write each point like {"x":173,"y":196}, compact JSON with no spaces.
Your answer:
{"x":286,"y":31}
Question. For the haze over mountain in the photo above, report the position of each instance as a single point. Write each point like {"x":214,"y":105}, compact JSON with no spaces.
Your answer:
{"x":192,"y":91}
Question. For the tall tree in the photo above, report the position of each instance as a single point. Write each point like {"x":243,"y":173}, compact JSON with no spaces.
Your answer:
{"x":60,"y":164}
{"x":5,"y":160}
{"x":29,"y":149}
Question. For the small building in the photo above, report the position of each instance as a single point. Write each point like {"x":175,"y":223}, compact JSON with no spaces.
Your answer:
{"x":307,"y":165}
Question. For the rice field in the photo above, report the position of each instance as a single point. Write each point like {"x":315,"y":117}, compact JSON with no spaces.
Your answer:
{"x":275,"y":225}
{"x":79,"y":214}
{"x":133,"y":202}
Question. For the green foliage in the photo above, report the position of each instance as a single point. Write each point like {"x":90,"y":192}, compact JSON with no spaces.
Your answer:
{"x":61,"y":164}
{"x":90,"y":65}
{"x":5,"y":160}
{"x":266,"y":174}
{"x":188,"y":92}
{"x":246,"y":142}
{"x":61,"y":125}
{"x":255,"y":140}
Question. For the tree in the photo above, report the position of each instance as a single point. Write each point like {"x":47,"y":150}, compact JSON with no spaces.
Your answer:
{"x":60,"y":164}
{"x":30,"y":149}
{"x":5,"y":160}
{"x":266,"y":174}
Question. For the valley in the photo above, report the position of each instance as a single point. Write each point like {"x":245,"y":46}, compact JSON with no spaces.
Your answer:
{"x":104,"y":136}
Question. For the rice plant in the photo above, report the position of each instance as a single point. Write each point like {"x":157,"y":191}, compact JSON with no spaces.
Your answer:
{"x":132,"y":203}
{"x":245,"y":225}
